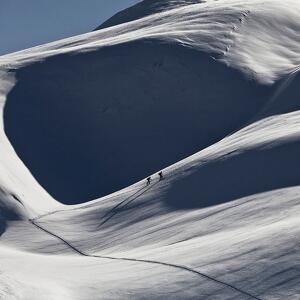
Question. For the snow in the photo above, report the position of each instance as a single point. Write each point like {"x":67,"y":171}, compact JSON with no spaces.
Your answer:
{"x":15,"y":177}
{"x":214,"y":26}
{"x":217,"y":85}
{"x":131,"y":120}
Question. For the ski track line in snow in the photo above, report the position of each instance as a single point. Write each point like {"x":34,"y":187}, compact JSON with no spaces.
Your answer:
{"x":33,"y":222}
{"x":170,"y":265}
{"x":115,"y":210}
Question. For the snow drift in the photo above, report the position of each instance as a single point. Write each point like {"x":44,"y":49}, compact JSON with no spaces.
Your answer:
{"x":206,"y":90}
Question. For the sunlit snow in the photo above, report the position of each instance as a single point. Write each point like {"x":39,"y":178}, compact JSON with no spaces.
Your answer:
{"x":207,"y":91}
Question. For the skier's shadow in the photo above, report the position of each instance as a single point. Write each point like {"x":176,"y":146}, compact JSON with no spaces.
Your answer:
{"x":125,"y":203}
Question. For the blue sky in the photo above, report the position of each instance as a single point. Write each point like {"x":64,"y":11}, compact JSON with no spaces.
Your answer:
{"x":26,"y":23}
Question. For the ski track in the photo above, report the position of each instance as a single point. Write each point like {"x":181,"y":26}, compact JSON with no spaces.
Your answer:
{"x":180,"y":267}
{"x":170,"y":265}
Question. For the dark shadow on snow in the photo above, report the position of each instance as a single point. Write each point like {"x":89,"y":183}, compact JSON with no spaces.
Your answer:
{"x":89,"y":124}
{"x":2,"y":225}
{"x":240,"y":175}
{"x":288,"y":99}
{"x":11,"y":209}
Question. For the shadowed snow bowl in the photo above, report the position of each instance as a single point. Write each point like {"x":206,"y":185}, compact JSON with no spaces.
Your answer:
{"x":88,"y":124}
{"x":238,"y":175}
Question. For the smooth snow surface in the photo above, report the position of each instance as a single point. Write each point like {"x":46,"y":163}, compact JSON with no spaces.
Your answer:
{"x":208,"y":91}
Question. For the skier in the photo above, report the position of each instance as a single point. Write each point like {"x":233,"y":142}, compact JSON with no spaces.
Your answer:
{"x":160,"y":174}
{"x":148,"y":180}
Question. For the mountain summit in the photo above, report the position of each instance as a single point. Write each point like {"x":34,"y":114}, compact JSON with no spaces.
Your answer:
{"x":144,"y":9}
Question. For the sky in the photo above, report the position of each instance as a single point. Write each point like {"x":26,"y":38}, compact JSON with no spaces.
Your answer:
{"x":27,"y":23}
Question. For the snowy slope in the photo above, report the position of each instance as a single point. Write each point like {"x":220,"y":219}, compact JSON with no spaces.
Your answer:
{"x":92,"y":114}
{"x":130,"y":70}
{"x":120,"y":109}
{"x":144,"y":9}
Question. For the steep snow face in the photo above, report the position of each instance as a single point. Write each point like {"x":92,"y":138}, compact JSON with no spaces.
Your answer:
{"x":16,"y":182}
{"x":258,"y":37}
{"x":268,"y":41}
{"x":97,"y":122}
{"x":155,"y":58}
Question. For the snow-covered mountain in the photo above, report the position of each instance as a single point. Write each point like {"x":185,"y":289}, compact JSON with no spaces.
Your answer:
{"x":208,"y":91}
{"x":143,"y":9}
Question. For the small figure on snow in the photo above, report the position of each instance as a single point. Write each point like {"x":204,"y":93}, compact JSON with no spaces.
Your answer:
{"x":148,"y":180}
{"x":160,"y":174}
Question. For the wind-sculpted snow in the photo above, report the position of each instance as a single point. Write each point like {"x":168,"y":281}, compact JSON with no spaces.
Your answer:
{"x":229,"y":30}
{"x":234,"y":30}
{"x":143,"y":9}
{"x":213,"y":82}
